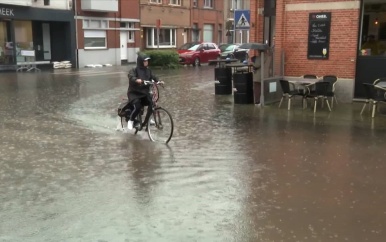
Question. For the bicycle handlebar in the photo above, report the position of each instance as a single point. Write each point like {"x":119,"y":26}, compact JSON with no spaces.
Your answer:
{"x":152,"y":82}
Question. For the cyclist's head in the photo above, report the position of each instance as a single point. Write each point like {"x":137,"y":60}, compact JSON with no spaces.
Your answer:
{"x":142,"y":60}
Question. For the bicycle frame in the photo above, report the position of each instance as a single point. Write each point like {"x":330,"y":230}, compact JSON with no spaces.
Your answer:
{"x":153,"y":91}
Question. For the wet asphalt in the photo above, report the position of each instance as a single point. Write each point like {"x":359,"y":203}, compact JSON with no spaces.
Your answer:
{"x":230,"y":173}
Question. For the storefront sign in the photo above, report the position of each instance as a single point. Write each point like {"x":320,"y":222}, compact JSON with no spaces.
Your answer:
{"x":6,"y":12}
{"x":319,"y":35}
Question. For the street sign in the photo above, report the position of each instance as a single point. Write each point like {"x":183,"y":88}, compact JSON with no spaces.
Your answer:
{"x":242,"y":19}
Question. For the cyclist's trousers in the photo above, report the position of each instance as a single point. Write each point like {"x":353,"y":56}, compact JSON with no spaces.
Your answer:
{"x":137,"y":105}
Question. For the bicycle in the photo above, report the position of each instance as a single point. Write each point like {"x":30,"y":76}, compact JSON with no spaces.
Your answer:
{"x":158,"y":123}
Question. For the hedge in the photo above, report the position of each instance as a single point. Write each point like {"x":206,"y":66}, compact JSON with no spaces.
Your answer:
{"x":163,"y":58}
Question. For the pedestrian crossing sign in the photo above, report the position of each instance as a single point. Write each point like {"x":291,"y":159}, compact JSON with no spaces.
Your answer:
{"x":242,"y":19}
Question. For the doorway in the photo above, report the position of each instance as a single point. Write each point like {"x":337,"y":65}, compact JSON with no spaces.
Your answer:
{"x":371,"y":58}
{"x":123,"y":44}
{"x":7,"y":52}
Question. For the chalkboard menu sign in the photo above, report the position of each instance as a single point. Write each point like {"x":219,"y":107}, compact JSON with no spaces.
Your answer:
{"x":319,"y":35}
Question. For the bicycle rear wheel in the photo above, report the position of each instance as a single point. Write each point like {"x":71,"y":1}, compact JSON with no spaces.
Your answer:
{"x":160,"y":126}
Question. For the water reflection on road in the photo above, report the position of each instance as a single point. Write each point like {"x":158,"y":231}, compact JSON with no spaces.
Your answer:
{"x":230,"y":173}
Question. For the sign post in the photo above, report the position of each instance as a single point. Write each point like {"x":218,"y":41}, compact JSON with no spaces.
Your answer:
{"x":242,"y":20}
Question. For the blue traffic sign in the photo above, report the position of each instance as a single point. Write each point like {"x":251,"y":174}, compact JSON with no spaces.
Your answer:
{"x":242,"y":19}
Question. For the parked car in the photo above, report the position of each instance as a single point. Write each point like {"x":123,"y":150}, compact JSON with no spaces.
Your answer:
{"x":200,"y":53}
{"x":185,"y":47}
{"x":233,"y":51}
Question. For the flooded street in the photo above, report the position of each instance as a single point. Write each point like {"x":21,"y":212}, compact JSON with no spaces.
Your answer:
{"x":231,"y":172}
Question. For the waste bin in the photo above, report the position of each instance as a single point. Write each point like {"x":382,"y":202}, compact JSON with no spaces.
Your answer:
{"x":224,"y":77}
{"x":243,"y":88}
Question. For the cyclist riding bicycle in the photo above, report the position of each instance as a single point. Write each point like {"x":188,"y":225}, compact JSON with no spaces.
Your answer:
{"x":138,"y":93}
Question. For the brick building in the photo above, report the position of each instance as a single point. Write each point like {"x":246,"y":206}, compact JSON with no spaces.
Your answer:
{"x":288,"y":25}
{"x":107,"y":31}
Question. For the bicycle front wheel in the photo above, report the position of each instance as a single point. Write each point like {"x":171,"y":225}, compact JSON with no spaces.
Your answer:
{"x":160,"y":126}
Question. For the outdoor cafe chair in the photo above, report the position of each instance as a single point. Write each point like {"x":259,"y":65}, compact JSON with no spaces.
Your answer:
{"x":382,"y":79}
{"x":372,"y":97}
{"x":320,"y":92}
{"x":289,"y":92}
{"x":308,"y":87}
{"x":331,"y":88}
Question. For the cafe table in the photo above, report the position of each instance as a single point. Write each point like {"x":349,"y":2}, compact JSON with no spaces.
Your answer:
{"x":301,"y":82}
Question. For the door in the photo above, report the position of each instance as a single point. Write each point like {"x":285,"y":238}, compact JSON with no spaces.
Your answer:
{"x":123,"y":45}
{"x":46,"y":41}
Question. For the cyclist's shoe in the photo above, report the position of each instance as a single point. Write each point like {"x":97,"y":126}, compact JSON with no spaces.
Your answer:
{"x":137,"y":125}
{"x":152,"y":122}
{"x":130,"y":125}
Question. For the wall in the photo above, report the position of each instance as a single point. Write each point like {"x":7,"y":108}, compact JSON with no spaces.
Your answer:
{"x":291,"y":38}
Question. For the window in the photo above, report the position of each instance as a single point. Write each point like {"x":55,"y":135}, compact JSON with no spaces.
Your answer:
{"x":220,"y":34}
{"x":195,"y":3}
{"x":95,"y":39}
{"x":175,"y":2}
{"x":155,"y":1}
{"x":94,"y":24}
{"x":195,"y":33}
{"x":167,"y":38}
{"x":208,"y":3}
{"x":236,"y":4}
{"x":208,"y":32}
{"x":46,"y":2}
{"x":131,"y":36}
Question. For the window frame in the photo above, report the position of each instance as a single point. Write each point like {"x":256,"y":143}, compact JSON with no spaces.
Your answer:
{"x":155,"y":1}
{"x":95,"y":34}
{"x":178,"y":2}
{"x":208,"y":4}
{"x":173,"y":36}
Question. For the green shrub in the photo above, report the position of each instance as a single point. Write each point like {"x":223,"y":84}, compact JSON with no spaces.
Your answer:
{"x":163,"y":58}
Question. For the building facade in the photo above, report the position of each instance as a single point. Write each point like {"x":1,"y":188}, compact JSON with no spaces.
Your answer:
{"x":42,"y":27}
{"x":207,"y":21}
{"x":327,"y":37}
{"x":165,"y":24}
{"x":108,"y":31}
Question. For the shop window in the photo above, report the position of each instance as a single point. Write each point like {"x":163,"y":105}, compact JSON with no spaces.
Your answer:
{"x":208,"y":3}
{"x":372,"y":41}
{"x":167,"y":38}
{"x":95,"y":39}
{"x":23,"y":38}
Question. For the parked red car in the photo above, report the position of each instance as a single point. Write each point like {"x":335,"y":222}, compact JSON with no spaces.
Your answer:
{"x":185,"y":47}
{"x":200,"y":53}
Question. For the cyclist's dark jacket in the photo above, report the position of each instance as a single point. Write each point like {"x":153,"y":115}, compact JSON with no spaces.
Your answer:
{"x":136,"y":90}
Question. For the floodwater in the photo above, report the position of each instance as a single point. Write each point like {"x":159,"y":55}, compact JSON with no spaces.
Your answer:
{"x":230,"y":173}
